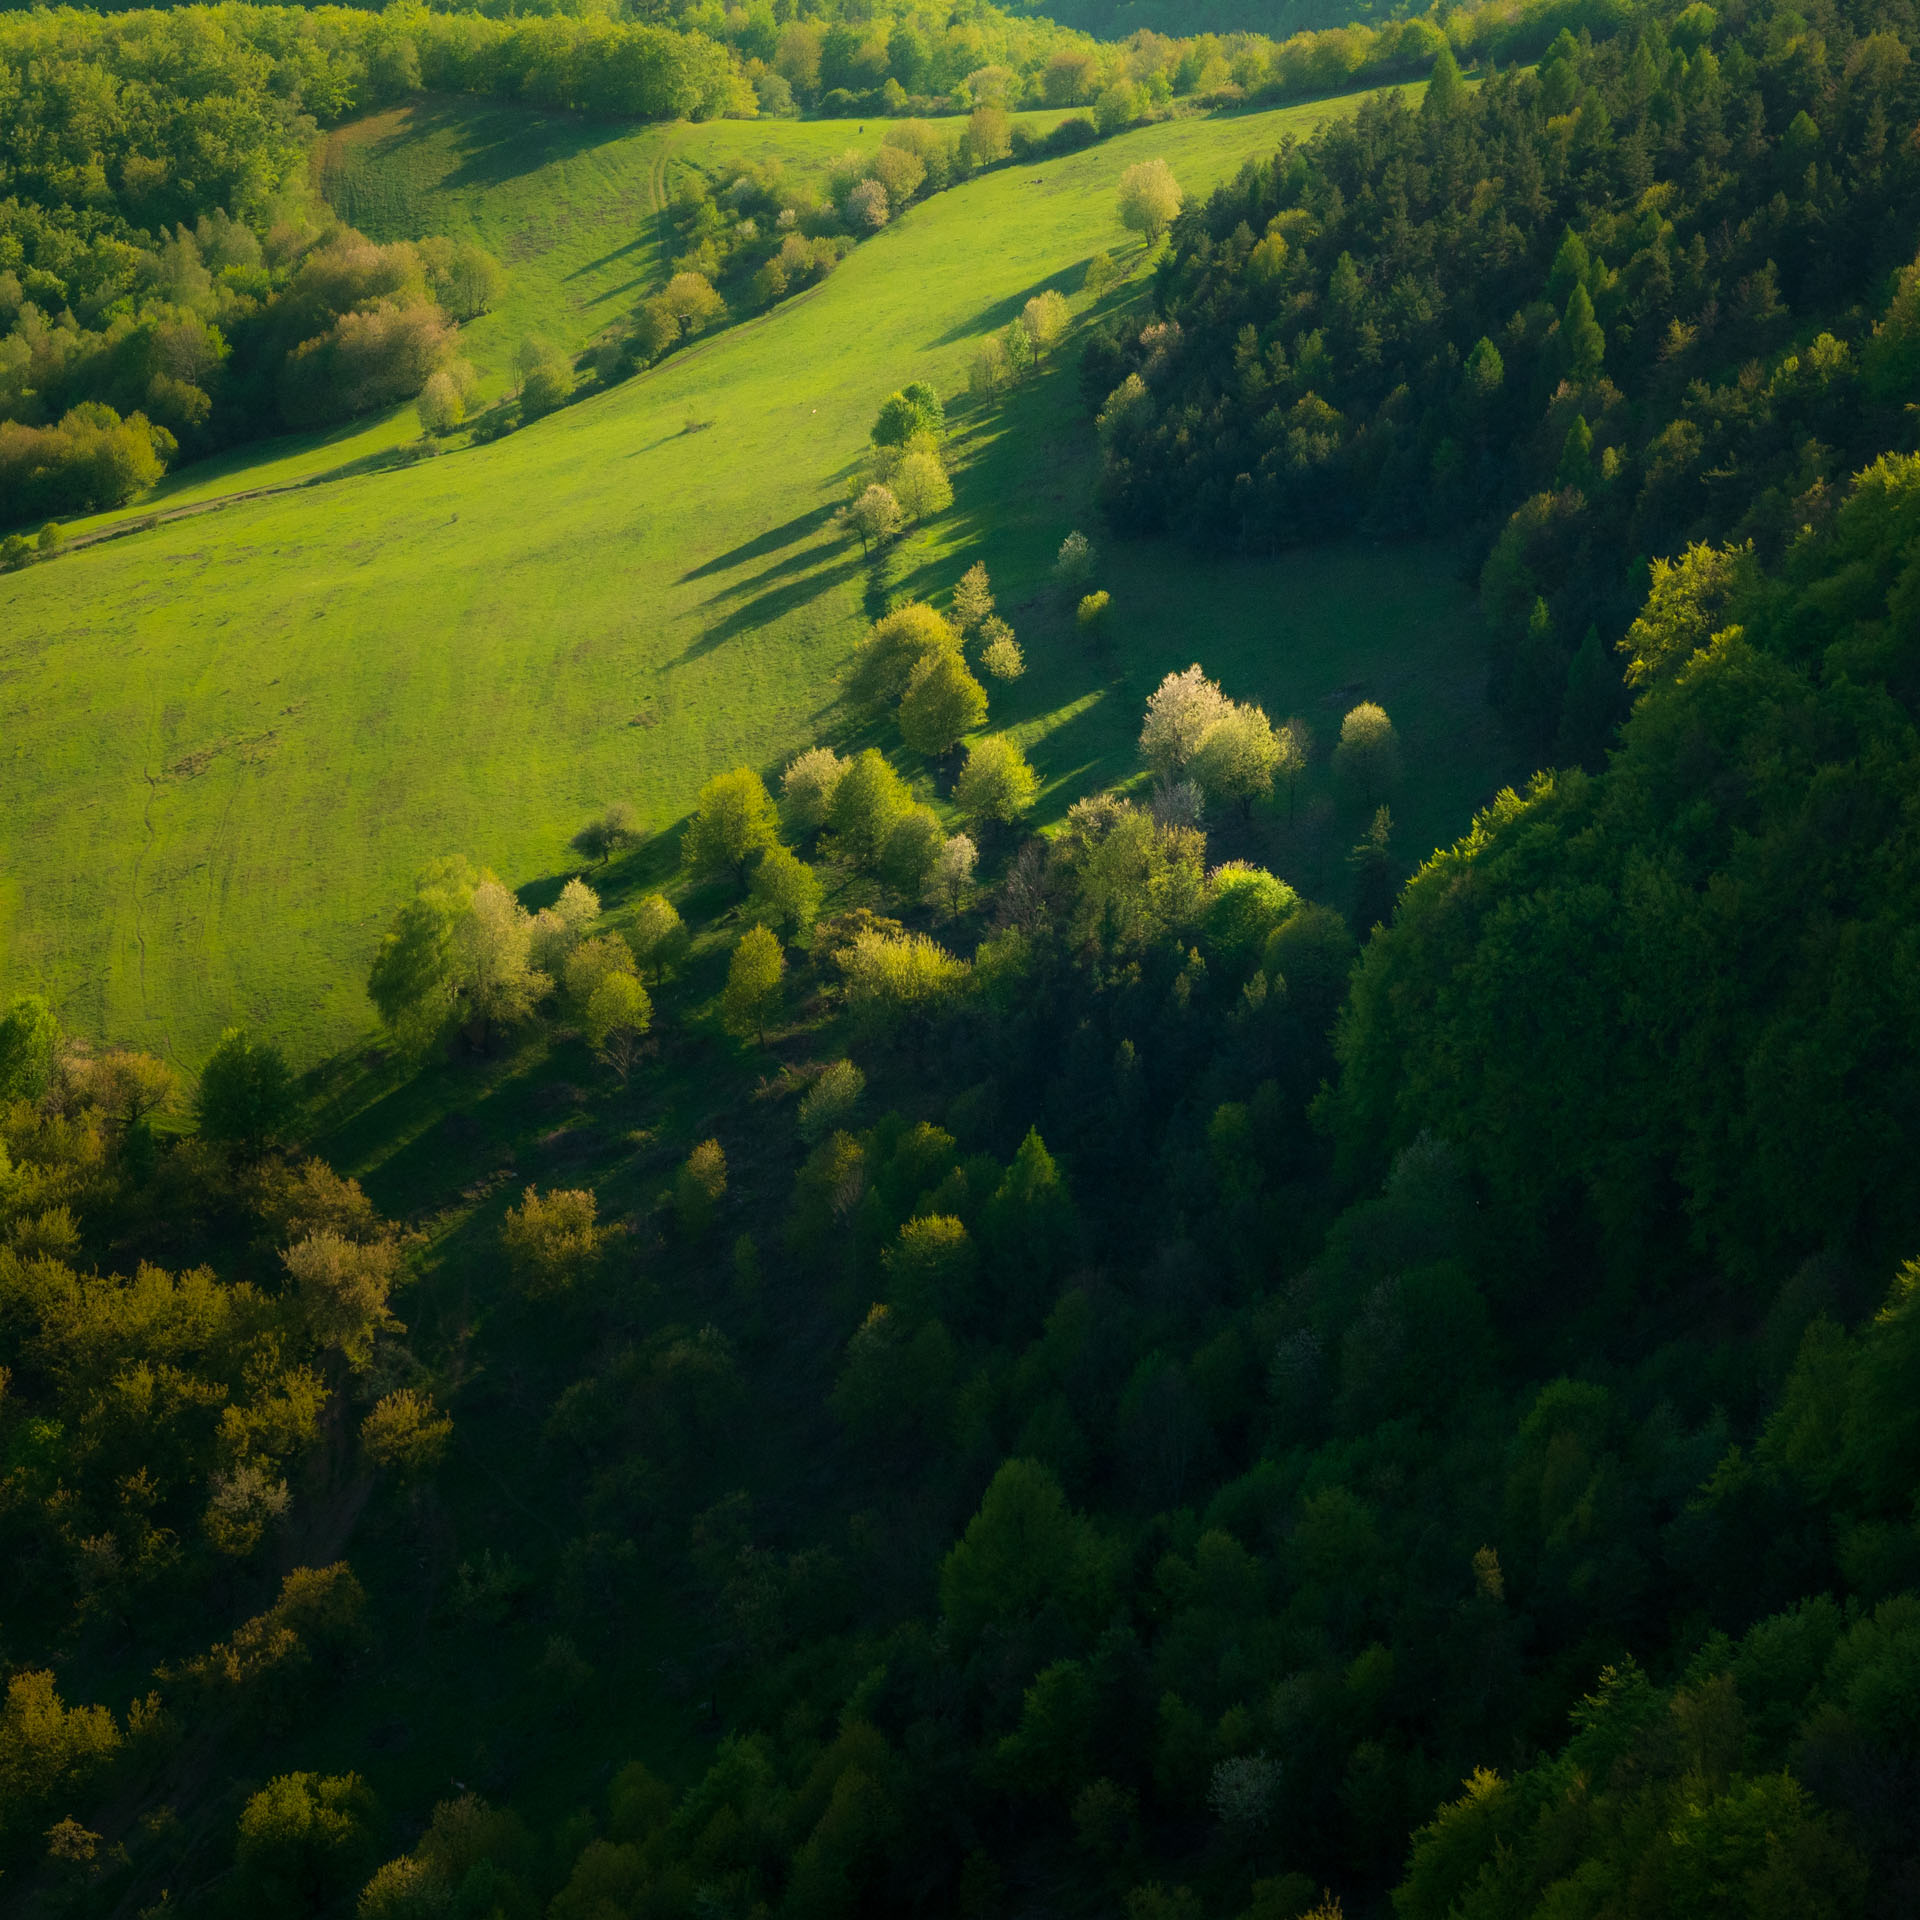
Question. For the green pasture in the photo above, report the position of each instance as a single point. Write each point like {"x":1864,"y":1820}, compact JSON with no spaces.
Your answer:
{"x":227,"y":744}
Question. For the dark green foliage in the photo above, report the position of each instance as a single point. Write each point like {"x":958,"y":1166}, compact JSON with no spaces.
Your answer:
{"x":246,"y":1098}
{"x":1671,"y":322}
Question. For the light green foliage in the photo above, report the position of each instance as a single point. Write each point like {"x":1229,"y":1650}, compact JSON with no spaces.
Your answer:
{"x":1149,"y":198}
{"x":246,"y":1096}
{"x":733,"y":819}
{"x":1045,"y":319}
{"x":754,"y":974}
{"x":412,"y":984}
{"x":868,"y":804}
{"x":405,"y":1433}
{"x":29,"y":1048}
{"x":658,"y":935}
{"x":973,"y":598}
{"x":591,"y":962}
{"x":784,"y":892}
{"x":874,"y":515}
{"x":559,"y":929}
{"x":1246,"y":907}
{"x":1073,"y":564}
{"x":305,"y":1841}
{"x":807,"y":789}
{"x":1181,"y":712}
{"x":1001,"y":655}
{"x":949,"y":882}
{"x":899,"y":976}
{"x":930,"y":1268}
{"x":1686,"y":599}
{"x":996,"y":784}
{"x":912,"y":847}
{"x":1367,"y":758}
{"x":618,"y":1013}
{"x":915,"y":409}
{"x":942,"y":702}
{"x":896,"y":646}
{"x":552,"y":1240}
{"x":1090,"y":616}
{"x":342,"y":1286}
{"x":921,"y":485}
{"x":699,"y":1187}
{"x":507,"y":706}
{"x":1140,"y":881}
{"x":1238,"y":756}
{"x":830,"y":1102}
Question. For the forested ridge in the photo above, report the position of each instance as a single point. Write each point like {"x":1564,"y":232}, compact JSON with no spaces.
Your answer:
{"x":989,"y":1373}
{"x":1636,"y":298}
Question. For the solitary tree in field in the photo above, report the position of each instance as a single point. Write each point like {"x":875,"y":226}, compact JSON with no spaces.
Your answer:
{"x":732,"y":820}
{"x":1149,"y":198}
{"x":1073,"y":564}
{"x":1368,"y":756}
{"x":942,"y":702}
{"x":996,"y":785}
{"x":1045,"y":319}
{"x":615,"y":831}
{"x":874,"y":516}
{"x":753,"y":992}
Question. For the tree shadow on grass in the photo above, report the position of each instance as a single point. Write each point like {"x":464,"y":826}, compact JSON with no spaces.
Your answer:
{"x":764,"y":609}
{"x":992,"y":319}
{"x":505,"y":144}
{"x":771,"y":541}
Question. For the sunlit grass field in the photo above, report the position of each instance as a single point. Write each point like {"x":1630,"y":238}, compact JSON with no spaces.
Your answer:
{"x":227,"y":744}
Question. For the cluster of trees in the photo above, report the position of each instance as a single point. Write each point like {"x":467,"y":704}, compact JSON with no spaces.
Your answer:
{"x":844,"y":57}
{"x":165,"y":1428}
{"x":166,"y":285}
{"x":1669,"y":321}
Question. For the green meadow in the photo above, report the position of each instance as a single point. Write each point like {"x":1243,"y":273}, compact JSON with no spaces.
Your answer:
{"x":230,"y":742}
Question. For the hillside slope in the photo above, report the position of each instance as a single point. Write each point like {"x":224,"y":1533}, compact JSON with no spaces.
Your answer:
{"x":230,"y":742}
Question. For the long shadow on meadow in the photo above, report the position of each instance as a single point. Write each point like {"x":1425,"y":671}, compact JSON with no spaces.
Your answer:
{"x":765,"y":608}
{"x":772,"y":541}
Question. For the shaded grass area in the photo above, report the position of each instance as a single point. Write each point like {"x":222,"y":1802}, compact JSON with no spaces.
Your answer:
{"x":228,"y":744}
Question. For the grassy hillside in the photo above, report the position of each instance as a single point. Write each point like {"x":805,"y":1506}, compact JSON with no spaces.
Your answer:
{"x":231,"y":741}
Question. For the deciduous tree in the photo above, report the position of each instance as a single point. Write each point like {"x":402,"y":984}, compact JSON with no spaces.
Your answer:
{"x":733,"y":819}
